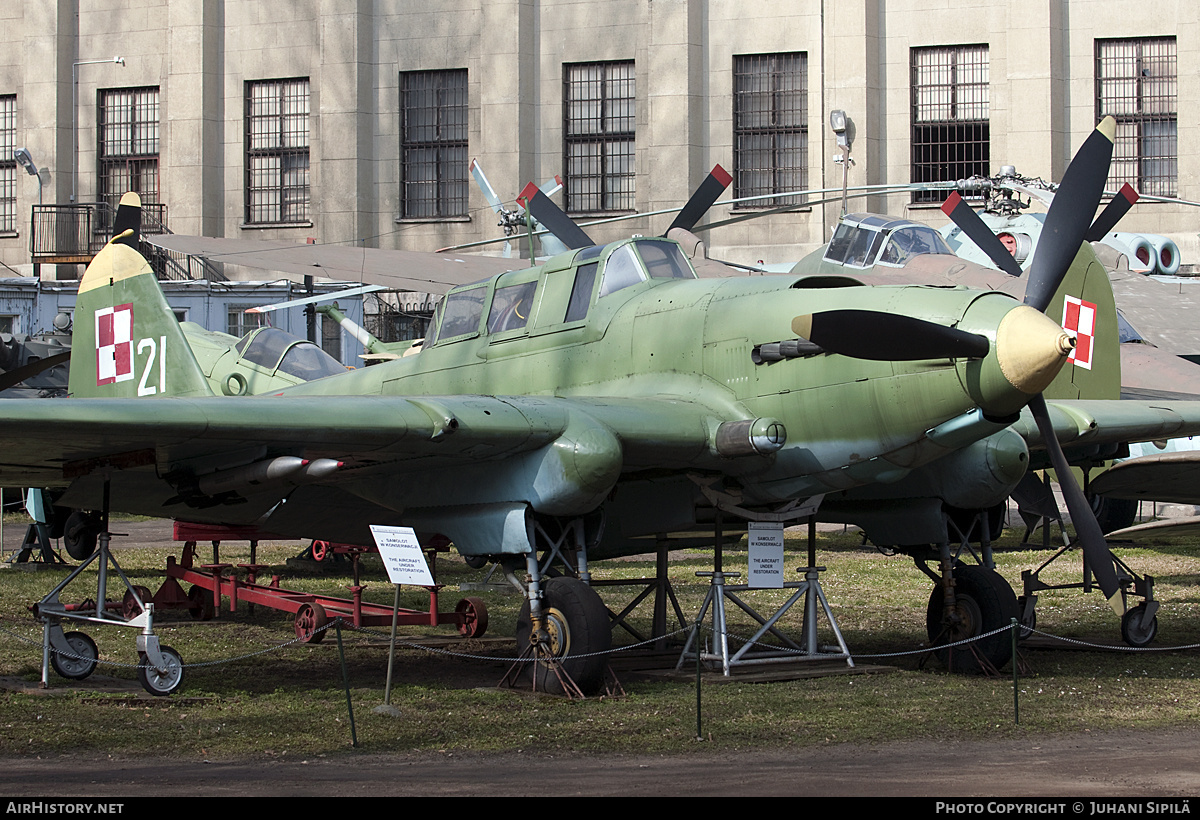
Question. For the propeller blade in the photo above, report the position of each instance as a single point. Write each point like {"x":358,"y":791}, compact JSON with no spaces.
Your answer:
{"x":1110,"y":216}
{"x":710,"y":189}
{"x":1087,"y":529}
{"x":20,"y":374}
{"x":553,"y":218}
{"x":128,"y":218}
{"x":964,"y":216}
{"x":887,"y":337}
{"x":1070,"y":216}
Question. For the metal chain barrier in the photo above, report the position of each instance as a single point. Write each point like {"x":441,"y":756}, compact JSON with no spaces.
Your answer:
{"x":410,"y":644}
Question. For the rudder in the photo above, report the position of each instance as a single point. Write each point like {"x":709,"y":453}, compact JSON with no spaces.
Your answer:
{"x":126,"y":341}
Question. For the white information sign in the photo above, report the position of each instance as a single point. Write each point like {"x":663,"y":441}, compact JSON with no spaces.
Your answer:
{"x":766,"y":556}
{"x":402,"y":556}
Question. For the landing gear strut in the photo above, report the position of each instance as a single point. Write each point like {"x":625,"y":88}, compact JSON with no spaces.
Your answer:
{"x":969,"y":601}
{"x":563,"y":629}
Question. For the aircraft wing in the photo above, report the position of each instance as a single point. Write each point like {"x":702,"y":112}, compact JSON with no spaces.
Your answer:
{"x":1083,"y":423}
{"x":1168,"y":477}
{"x":45,"y":441}
{"x":403,"y":270}
{"x":367,"y":459}
{"x":1151,"y":530}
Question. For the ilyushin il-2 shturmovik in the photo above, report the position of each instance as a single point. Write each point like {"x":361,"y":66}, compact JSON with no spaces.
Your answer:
{"x":606,"y":396}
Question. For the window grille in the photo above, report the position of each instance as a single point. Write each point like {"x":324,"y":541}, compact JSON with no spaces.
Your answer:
{"x":127,"y":150}
{"x":277,"y":144}
{"x":599,"y":117}
{"x":433,"y":144}
{"x":8,"y":164}
{"x":770,"y":127}
{"x":1136,"y":83}
{"x":951,"y":132}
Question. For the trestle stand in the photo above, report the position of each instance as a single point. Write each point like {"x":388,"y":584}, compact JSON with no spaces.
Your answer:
{"x":751,"y":653}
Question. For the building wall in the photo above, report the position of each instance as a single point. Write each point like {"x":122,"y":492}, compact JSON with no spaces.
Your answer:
{"x":201,"y":53}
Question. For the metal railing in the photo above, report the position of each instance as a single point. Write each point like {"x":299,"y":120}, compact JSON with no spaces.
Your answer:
{"x":73,"y":234}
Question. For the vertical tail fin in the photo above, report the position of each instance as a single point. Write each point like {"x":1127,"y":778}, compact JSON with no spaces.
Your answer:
{"x":126,"y":341}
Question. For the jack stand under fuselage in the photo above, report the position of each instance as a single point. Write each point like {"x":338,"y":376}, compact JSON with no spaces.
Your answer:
{"x":751,"y":652}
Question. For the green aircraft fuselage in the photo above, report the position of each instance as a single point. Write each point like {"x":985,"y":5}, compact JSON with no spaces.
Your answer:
{"x":609,"y":378}
{"x":845,"y":422}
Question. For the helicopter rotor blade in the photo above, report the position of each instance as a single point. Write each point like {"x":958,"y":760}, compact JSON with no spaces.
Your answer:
{"x":128,"y":218}
{"x":553,"y":218}
{"x":489,"y":193}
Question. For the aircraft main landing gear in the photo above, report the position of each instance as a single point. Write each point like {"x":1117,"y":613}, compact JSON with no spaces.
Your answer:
{"x":563,"y":631}
{"x":982,"y":602}
{"x":969,"y":601}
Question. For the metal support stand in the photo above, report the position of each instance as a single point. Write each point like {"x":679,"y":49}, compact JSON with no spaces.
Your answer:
{"x":78,"y":649}
{"x":36,"y":547}
{"x":750,"y":652}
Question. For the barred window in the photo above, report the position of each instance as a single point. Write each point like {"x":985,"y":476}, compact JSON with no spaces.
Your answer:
{"x":951,"y":133}
{"x":8,"y":164}
{"x":238,"y":322}
{"x":433,"y":143}
{"x":1136,"y":82}
{"x":277,"y":184}
{"x":599,"y":115}
{"x":770,"y":127}
{"x":127,"y":150}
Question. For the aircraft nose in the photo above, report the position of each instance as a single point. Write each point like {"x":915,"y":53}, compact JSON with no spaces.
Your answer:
{"x":1030,"y":350}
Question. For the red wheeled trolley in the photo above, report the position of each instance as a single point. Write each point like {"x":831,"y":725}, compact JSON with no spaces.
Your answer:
{"x":210,"y":583}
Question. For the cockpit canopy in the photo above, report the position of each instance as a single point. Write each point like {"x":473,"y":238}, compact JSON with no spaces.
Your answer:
{"x":589,"y":274}
{"x":277,"y":351}
{"x":865,"y":240}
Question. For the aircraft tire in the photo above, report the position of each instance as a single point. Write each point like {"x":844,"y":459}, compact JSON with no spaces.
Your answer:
{"x":80,"y":533}
{"x":1113,"y":513}
{"x":578,"y":626}
{"x":80,"y":667}
{"x":986,"y":602}
{"x":1133,"y":632}
{"x":165,"y":682}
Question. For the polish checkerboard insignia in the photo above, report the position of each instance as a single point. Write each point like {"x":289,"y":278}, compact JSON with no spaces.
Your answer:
{"x":114,"y":344}
{"x":1079,"y":319}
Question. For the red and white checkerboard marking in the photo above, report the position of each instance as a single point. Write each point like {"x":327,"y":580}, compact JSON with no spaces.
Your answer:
{"x":114,"y":344}
{"x":1079,"y":319}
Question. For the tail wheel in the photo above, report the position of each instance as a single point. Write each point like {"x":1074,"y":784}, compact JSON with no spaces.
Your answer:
{"x":577,"y":625}
{"x":310,"y":618}
{"x":83,"y":662}
{"x":1136,"y":630}
{"x":984,"y":602}
{"x":161,"y":682}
